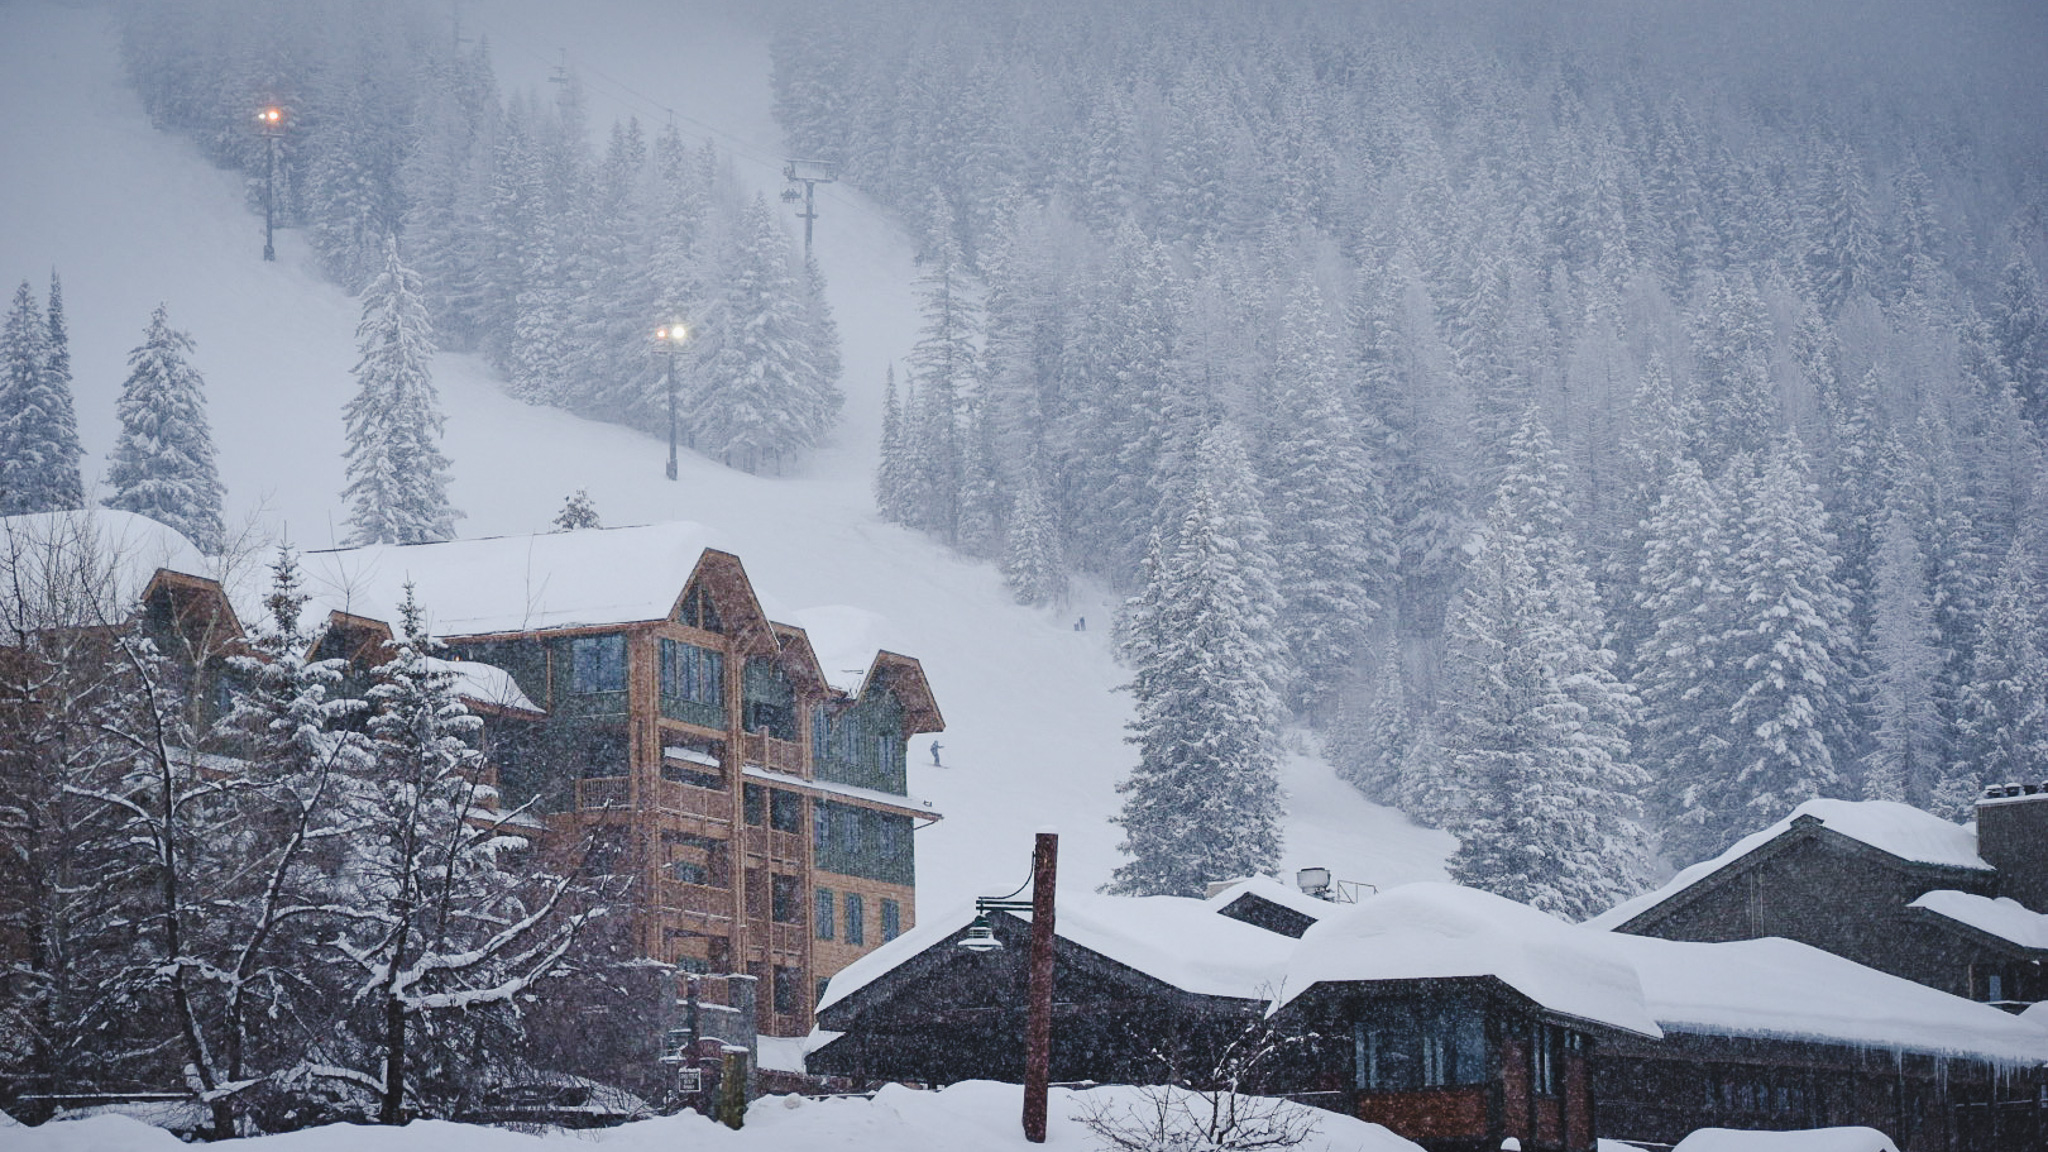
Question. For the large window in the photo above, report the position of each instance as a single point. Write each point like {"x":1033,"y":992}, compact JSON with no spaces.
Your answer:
{"x":892,"y":920}
{"x":856,"y":919}
{"x":823,"y":916}
{"x":866,"y":842}
{"x":691,"y":675}
{"x":597,"y":664}
{"x":1405,"y":1046}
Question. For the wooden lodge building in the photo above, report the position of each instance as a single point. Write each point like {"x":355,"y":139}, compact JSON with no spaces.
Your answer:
{"x":640,"y":705}
{"x":1459,"y":1020}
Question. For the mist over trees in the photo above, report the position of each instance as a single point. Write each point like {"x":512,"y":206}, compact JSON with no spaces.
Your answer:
{"x":554,"y":257}
{"x":1766,"y":282}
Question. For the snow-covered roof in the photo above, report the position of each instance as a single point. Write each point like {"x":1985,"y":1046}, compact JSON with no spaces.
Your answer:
{"x":485,"y":684}
{"x":108,"y":553}
{"x":1173,"y":939}
{"x":2003,"y":917}
{"x":513,"y":583}
{"x":1900,"y":830}
{"x":833,"y":788}
{"x":1431,"y":930}
{"x":1273,"y":891}
{"x":1787,"y":990}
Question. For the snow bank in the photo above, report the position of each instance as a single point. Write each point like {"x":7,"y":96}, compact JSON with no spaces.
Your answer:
{"x":977,"y":1114}
{"x":2004,"y":917}
{"x":1780,"y":988}
{"x":1901,"y":830}
{"x":1424,"y":931}
{"x":1811,"y":1140}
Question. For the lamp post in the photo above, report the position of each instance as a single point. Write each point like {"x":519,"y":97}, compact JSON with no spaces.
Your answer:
{"x":1038,"y":1024}
{"x":270,"y":122}
{"x":669,"y":337}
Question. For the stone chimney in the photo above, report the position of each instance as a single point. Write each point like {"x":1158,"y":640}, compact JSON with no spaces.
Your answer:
{"x":2012,"y":836}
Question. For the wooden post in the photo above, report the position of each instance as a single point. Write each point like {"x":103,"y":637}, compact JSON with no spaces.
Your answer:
{"x":1038,"y":1031}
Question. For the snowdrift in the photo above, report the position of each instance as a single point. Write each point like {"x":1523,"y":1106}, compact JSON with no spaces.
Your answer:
{"x":978,"y":1114}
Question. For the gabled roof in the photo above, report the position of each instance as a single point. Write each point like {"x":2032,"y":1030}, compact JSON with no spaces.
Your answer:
{"x":1907,"y":834}
{"x":1444,"y":931}
{"x":503,"y":584}
{"x":1786,"y":990}
{"x":1175,"y":940}
{"x":904,"y":676}
{"x":88,"y":567}
{"x":2003,"y":918}
{"x":1282,"y":905}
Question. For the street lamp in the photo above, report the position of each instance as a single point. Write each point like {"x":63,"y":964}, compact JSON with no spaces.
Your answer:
{"x":270,"y":123}
{"x":669,"y":338}
{"x":981,"y":938}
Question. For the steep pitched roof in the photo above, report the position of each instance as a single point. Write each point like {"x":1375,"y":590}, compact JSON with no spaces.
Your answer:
{"x":1911,"y":836}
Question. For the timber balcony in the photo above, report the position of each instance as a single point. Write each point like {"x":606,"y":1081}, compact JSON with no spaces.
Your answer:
{"x":777,"y":755}
{"x":601,"y":792}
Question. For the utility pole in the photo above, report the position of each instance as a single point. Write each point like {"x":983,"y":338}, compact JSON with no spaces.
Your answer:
{"x":270,"y":122}
{"x":1045,"y":858}
{"x":810,"y":174}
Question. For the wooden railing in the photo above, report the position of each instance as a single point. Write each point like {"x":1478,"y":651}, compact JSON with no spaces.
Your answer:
{"x":778,"y":755}
{"x":674,"y":797}
{"x":602,"y":792}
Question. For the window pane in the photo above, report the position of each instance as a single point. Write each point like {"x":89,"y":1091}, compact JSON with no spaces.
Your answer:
{"x":598,"y":663}
{"x":892,"y":920}
{"x":755,"y":802}
{"x":782,"y":904}
{"x":824,"y":914}
{"x":785,"y":811}
{"x":856,"y":919}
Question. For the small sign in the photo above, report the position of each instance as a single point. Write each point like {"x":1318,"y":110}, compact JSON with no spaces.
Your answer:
{"x":689,"y":1080}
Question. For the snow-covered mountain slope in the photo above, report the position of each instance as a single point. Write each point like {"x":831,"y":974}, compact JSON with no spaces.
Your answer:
{"x":131,"y":217}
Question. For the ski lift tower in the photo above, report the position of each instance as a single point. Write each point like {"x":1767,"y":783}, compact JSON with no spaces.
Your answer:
{"x":810,"y":174}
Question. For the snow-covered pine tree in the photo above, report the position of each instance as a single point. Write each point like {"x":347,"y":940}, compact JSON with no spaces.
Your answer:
{"x":1686,"y":597}
{"x":1907,"y":752}
{"x":1534,"y":720}
{"x":1032,"y":562}
{"x":760,"y":397}
{"x":163,"y":465}
{"x":984,"y":502}
{"x":1204,"y":801}
{"x":291,"y":724}
{"x":2019,"y":323}
{"x":1332,"y":539}
{"x":578,"y":511}
{"x":449,"y":931}
{"x":39,"y":449}
{"x":1369,"y":742}
{"x":1788,"y":654}
{"x":397,"y":476}
{"x":1842,"y":252}
{"x":945,"y":367}
{"x":892,"y":470}
{"x":2005,"y":702}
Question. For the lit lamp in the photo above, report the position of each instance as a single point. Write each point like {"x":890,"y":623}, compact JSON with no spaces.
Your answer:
{"x":270,"y":124}
{"x":981,"y":938}
{"x":669,"y":338}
